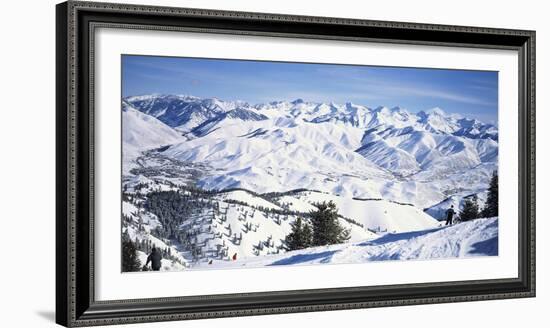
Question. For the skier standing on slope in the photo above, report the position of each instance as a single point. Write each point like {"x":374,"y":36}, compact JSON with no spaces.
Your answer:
{"x":155,"y":258}
{"x":450,"y":214}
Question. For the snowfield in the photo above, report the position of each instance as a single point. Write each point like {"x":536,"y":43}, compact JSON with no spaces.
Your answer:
{"x":469,"y":239}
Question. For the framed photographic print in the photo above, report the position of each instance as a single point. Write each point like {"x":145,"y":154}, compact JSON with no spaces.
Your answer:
{"x":215,"y":163}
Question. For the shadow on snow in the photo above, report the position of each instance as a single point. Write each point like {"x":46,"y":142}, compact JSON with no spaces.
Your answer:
{"x":487,"y":247}
{"x":326,"y":255}
{"x":300,"y":258}
{"x":393,"y":237}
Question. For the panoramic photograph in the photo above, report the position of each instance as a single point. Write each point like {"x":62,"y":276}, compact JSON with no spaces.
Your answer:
{"x":242,"y":164}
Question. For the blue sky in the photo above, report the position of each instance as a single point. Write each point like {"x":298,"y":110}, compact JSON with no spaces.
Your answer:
{"x":470,"y":93}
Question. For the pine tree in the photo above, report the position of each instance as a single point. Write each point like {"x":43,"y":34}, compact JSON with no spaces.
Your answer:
{"x":130,"y":260}
{"x":326,"y":229}
{"x":307,"y":235}
{"x":491,"y":205}
{"x":299,"y":237}
{"x":470,"y":210}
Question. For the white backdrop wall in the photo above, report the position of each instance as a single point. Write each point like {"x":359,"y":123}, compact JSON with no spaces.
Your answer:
{"x":27,"y":181}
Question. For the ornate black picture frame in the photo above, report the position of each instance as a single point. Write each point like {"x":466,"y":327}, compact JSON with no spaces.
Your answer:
{"x":75,"y":301}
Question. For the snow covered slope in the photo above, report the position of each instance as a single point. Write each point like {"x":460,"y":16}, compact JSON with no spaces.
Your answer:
{"x":222,"y":225}
{"x":469,"y":239}
{"x":142,"y":132}
{"x":248,"y":225}
{"x":375,"y":214}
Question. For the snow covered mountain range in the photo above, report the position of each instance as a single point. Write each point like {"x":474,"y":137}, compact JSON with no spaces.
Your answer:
{"x":348,"y":150}
{"x":245,"y":172}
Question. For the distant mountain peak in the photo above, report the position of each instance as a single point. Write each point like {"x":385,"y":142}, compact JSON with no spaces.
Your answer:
{"x":436,"y":111}
{"x":397,"y":109}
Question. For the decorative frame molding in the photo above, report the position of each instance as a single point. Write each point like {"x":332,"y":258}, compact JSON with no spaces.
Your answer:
{"x":75,"y":30}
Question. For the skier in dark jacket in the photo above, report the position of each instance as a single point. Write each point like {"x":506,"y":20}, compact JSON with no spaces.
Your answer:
{"x":155,"y":258}
{"x":450,"y":214}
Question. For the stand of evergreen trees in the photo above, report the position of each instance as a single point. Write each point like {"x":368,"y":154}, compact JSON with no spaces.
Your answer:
{"x":173,"y":208}
{"x":471,"y":209}
{"x":130,"y":260}
{"x":300,"y":236}
{"x":323,"y":229}
{"x":491,"y":205}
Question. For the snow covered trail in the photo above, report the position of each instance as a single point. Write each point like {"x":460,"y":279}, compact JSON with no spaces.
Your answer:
{"x":474,"y":238}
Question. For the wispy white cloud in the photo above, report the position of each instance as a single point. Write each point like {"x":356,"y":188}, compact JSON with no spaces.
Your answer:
{"x":313,"y":96}
{"x":428,"y":91}
{"x":361,"y":79}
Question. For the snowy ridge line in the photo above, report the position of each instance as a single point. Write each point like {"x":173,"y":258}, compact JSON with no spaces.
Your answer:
{"x":382,"y":199}
{"x":437,"y":204}
{"x":291,"y":192}
{"x":283,"y":210}
{"x":325,"y":111}
{"x":446,"y":200}
{"x":287,"y":193}
{"x":267,"y":196}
